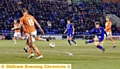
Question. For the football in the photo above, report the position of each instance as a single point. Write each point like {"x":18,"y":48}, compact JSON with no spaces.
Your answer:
{"x":52,"y":44}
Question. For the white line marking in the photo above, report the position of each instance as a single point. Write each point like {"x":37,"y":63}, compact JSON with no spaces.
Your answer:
{"x":69,"y":53}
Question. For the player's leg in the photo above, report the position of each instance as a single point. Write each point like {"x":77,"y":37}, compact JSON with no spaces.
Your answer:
{"x":32,"y":40}
{"x":89,"y":41}
{"x":71,"y":39}
{"x":68,"y":38}
{"x":26,"y":37}
{"x":15,"y":38}
{"x":22,"y":38}
{"x":102,"y":43}
{"x":97,"y":44}
{"x":41,"y":39}
{"x":113,"y":42}
{"x":38,"y":52}
{"x":31,"y":52}
{"x":27,"y":46}
{"x":37,"y":38}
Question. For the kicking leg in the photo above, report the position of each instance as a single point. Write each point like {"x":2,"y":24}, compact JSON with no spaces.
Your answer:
{"x":41,"y":39}
{"x":89,"y":41}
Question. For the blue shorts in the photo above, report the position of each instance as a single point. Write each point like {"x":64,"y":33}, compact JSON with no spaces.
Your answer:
{"x":101,"y":38}
{"x":70,"y":35}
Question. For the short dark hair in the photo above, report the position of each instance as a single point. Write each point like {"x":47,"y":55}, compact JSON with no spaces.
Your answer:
{"x":68,"y":20}
{"x":97,"y":23}
{"x":15,"y":20}
{"x":108,"y":17}
{"x":24,"y":10}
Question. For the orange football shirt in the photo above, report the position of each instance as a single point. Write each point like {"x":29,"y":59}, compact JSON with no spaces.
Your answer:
{"x":16,"y":25}
{"x":108,"y":26}
{"x":28,"y":23}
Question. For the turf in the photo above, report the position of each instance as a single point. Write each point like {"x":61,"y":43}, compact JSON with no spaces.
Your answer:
{"x":84,"y":56}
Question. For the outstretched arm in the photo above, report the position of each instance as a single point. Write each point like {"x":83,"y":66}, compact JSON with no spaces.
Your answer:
{"x":65,"y":31}
{"x":73,"y":29}
{"x":15,"y":28}
{"x":105,"y":32}
{"x":91,"y":31}
{"x":38,"y":25}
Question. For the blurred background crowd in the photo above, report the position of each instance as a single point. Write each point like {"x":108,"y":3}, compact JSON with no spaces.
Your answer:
{"x":52,"y":15}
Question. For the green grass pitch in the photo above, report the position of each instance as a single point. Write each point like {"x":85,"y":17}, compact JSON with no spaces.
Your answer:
{"x":84,"y":56}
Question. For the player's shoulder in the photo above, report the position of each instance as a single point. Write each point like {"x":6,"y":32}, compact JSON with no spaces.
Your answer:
{"x":18,"y":23}
{"x":14,"y":24}
{"x":94,"y":28}
{"x":108,"y":22}
{"x":71,"y":23}
{"x":23,"y":17}
{"x":101,"y":27}
{"x":30,"y":16}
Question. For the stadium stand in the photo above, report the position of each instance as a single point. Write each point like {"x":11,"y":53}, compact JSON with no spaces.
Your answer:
{"x":53,"y":15}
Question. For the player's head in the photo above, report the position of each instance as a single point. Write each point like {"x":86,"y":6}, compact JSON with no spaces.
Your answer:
{"x":15,"y":21}
{"x":24,"y":11}
{"x":97,"y":24}
{"x":68,"y":21}
{"x":107,"y":18}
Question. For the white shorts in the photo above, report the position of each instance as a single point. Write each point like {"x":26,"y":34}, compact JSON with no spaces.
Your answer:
{"x":17,"y":34}
{"x":33,"y":34}
{"x":109,"y":33}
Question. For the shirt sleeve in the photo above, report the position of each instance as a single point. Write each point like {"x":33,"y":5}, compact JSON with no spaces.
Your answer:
{"x":104,"y":31}
{"x":15,"y":25}
{"x":71,"y":25}
{"x":21,"y":21}
{"x":66,"y":26}
{"x":91,"y":31}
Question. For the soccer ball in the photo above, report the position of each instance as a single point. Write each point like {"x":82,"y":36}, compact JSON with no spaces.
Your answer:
{"x":52,"y":44}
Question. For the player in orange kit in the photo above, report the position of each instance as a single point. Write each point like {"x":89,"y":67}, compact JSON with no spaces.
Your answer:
{"x":17,"y":33}
{"x":29,"y":22}
{"x":108,"y":29}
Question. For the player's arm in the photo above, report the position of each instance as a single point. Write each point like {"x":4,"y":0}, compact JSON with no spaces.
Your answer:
{"x":38,"y":25}
{"x":91,"y":31}
{"x":108,"y":27}
{"x":65,"y":31}
{"x":73,"y":29}
{"x":104,"y":32}
{"x":19,"y":26}
{"x":13,"y":27}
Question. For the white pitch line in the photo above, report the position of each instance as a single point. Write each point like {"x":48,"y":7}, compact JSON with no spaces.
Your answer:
{"x":69,"y":53}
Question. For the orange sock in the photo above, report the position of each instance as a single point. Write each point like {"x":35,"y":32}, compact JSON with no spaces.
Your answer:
{"x":37,"y":38}
{"x":37,"y":51}
{"x":31,"y":51}
{"x":40,"y":39}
